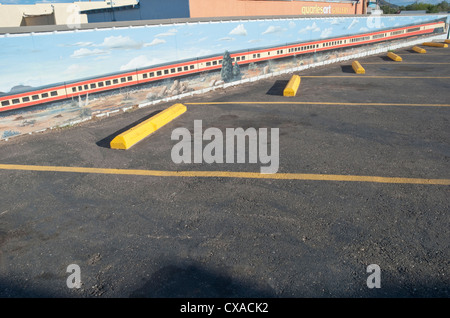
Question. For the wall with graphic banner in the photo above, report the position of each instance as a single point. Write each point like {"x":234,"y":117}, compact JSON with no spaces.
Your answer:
{"x":230,"y":8}
{"x":40,"y":59}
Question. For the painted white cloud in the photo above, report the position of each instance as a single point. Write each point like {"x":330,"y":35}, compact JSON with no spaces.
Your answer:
{"x":155,"y":41}
{"x":313,"y":28}
{"x":120,"y":42}
{"x":78,"y":44}
{"x":170,"y":32}
{"x":83,"y":52}
{"x":138,"y":62}
{"x":84,"y":44}
{"x":227,"y":38}
{"x":326,"y":32}
{"x":352,"y":24}
{"x":363,"y":29}
{"x":273,"y":29}
{"x":239,"y":30}
{"x":194,"y":52}
{"x":292,"y":24}
{"x":335,"y":21}
{"x":75,"y":69}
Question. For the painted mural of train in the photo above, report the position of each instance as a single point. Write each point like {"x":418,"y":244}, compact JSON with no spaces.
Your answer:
{"x":72,"y":89}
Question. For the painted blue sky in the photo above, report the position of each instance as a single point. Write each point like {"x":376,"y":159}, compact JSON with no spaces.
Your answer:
{"x":42,"y":59}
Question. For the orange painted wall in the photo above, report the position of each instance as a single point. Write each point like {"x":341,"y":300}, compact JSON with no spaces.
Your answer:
{"x":230,"y":8}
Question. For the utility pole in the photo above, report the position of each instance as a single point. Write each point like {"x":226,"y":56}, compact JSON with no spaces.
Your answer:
{"x":112,"y":10}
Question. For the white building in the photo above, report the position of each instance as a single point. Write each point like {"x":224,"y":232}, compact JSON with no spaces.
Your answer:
{"x":12,"y":15}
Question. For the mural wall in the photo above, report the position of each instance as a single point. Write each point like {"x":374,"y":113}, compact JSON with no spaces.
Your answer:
{"x":33,"y":60}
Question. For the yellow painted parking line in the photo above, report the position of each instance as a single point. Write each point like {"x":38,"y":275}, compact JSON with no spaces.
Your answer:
{"x":424,"y":63}
{"x":378,"y":76}
{"x":320,"y":103}
{"x":228,"y":174}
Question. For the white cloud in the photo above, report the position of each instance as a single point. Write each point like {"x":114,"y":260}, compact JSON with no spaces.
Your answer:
{"x":138,"y":62}
{"x":312,"y":28}
{"x":78,"y":44}
{"x":273,"y":29}
{"x":194,"y":52}
{"x":239,"y":30}
{"x":227,"y":38}
{"x":155,"y":41}
{"x":120,"y":42}
{"x":292,"y":24}
{"x":170,"y":32}
{"x":87,"y":52}
{"x":75,"y":69}
{"x":335,"y":21}
{"x":83,"y":44}
{"x":326,"y":32}
{"x":352,"y":24}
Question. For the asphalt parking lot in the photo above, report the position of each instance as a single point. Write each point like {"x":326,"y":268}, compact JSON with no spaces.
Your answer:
{"x":365,"y":160}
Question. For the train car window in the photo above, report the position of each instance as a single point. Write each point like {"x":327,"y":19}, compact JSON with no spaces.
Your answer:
{"x":179,"y":69}
{"x":35,"y":97}
{"x":238,"y":58}
{"x":16,"y":101}
{"x":144,"y":75}
{"x":130,"y":78}
{"x":214,"y":62}
{"x":100,"y":84}
{"x":80,"y":88}
{"x":192,"y":67}
{"x":166,"y":71}
{"x":152,"y":74}
{"x":45,"y":95}
{"x":233,"y":59}
{"x":186,"y":68}
{"x":254,"y":55}
{"x":158,"y":73}
{"x":54,"y":93}
{"x":123,"y":80}
{"x":172,"y":70}
{"x":74,"y":89}
{"x":93,"y":86}
{"x":108,"y":83}
{"x":5,"y":103}
{"x":259,"y":55}
{"x":243,"y":58}
{"x":115,"y":81}
{"x":86,"y":86}
{"x":209,"y":63}
{"x":25,"y":99}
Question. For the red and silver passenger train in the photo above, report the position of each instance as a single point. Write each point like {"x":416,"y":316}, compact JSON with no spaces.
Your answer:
{"x":72,"y":89}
